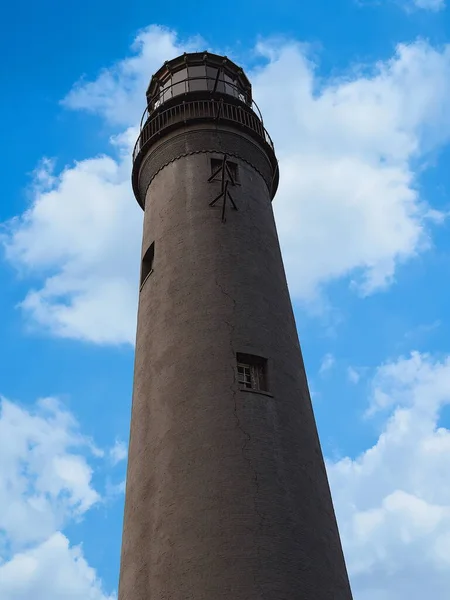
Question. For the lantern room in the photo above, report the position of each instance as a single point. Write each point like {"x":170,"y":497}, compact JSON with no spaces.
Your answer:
{"x":199,"y":74}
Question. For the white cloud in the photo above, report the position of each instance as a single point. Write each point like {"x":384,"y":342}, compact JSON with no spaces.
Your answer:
{"x":82,"y":236}
{"x":45,"y":483}
{"x":348,"y":204}
{"x":327,"y":363}
{"x":50,"y":571}
{"x":393,"y":501}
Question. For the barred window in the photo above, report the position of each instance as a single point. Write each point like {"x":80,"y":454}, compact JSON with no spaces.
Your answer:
{"x":252,"y":372}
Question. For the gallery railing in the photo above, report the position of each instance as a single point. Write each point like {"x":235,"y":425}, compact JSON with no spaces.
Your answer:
{"x":199,"y":110}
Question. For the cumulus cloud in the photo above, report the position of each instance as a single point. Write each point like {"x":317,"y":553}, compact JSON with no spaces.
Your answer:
{"x":393,"y":501}
{"x":348,"y":203}
{"x":45,"y":483}
{"x":50,"y":571}
{"x":84,"y":231}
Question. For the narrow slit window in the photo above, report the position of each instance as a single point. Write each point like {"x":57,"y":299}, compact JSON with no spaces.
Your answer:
{"x":231,"y":170}
{"x":252,"y":372}
{"x":147,"y":263}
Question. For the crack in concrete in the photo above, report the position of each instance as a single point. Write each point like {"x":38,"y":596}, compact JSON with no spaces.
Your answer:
{"x":247,"y":440}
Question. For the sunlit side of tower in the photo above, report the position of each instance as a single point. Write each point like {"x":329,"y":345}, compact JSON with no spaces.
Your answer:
{"x":227,"y":496}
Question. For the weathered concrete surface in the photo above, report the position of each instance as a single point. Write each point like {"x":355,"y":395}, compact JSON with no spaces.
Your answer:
{"x":227,"y":495}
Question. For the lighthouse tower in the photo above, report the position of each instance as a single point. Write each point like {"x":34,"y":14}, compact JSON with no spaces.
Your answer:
{"x":227,"y":496}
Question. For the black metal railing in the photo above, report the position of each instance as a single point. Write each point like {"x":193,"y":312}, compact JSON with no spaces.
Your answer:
{"x":199,"y":110}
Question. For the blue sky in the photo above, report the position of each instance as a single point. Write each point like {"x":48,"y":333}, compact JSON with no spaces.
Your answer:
{"x":355,"y":96}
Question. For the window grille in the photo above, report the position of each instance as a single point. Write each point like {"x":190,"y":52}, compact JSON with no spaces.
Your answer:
{"x":252,"y":372}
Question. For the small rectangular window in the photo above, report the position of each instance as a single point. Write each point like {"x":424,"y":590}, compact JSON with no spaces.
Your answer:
{"x":252,"y":372}
{"x":231,"y":170}
{"x":147,"y":263}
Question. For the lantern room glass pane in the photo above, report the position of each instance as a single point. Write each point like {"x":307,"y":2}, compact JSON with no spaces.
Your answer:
{"x":211,"y":74}
{"x":197,"y":79}
{"x":179,"y":76}
{"x":197,"y":71}
{"x":230,"y":85}
{"x":179,"y":84}
{"x":165,"y":90}
{"x":220,"y":84}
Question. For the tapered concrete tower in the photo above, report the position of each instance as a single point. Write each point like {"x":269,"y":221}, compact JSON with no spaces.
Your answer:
{"x":227,"y":497}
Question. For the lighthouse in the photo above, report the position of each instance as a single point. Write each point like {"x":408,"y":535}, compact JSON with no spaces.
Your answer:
{"x":227,"y":496}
